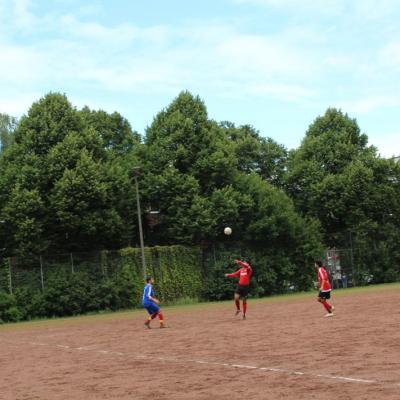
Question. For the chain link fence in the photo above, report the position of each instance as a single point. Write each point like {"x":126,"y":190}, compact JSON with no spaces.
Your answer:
{"x":340,"y":267}
{"x":35,"y":272}
{"x":346,"y":267}
{"x":360,"y":267}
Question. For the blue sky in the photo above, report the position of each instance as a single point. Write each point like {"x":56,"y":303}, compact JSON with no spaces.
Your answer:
{"x":274,"y":64}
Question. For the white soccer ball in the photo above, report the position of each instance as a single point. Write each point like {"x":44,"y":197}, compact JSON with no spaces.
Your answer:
{"x":227,"y":230}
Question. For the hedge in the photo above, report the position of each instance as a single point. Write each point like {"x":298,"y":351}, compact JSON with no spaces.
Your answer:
{"x":108,"y":281}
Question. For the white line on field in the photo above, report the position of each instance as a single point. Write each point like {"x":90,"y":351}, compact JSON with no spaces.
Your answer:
{"x":62,"y":346}
{"x":220,"y":364}
{"x":243,"y":366}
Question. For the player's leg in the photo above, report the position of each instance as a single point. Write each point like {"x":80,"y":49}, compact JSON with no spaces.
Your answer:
{"x":237,"y":302}
{"x":153,"y":311}
{"x":244,"y":307}
{"x":148,"y":320}
{"x":322,"y":298}
{"x":161,"y":318}
{"x":157,"y":312}
{"x":244,"y":294}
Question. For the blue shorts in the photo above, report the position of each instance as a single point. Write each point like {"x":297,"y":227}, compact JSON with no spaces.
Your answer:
{"x":152,"y":308}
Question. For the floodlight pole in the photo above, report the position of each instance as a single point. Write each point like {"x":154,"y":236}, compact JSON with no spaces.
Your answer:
{"x":2,"y":248}
{"x":136,"y":174}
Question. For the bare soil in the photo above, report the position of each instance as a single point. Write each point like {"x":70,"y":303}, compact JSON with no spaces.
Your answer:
{"x":285,"y":349}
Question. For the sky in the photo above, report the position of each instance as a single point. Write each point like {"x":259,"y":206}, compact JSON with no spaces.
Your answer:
{"x":274,"y":64}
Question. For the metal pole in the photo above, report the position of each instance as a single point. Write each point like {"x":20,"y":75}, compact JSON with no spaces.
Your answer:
{"x":41,"y":271}
{"x":140,"y":226}
{"x":72,"y":263}
{"x":9,"y":276}
{"x":352,"y":260}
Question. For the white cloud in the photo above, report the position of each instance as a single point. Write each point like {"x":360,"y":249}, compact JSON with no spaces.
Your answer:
{"x":160,"y":58}
{"x":282,"y":92}
{"x":20,"y":64}
{"x":23,"y":18}
{"x":370,"y":103}
{"x":388,"y":144}
{"x":366,"y":10}
{"x":304,"y":59}
{"x":263,"y":56}
{"x":96,"y":32}
{"x":301,"y":7}
{"x":203,"y":56}
{"x":17,"y":104}
{"x":389,"y":55}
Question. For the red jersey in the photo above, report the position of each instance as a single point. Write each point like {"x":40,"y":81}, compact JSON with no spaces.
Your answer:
{"x":323,"y":280}
{"x":244,"y":273}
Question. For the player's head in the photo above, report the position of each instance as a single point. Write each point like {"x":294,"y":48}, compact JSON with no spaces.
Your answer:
{"x":317,"y":264}
{"x":149,"y":279}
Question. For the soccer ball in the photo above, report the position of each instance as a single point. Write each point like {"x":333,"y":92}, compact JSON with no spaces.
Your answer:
{"x":227,"y":230}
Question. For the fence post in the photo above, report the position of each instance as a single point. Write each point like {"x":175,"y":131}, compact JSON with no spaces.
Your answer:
{"x":41,"y":271}
{"x":103,"y":260}
{"x":9,"y":276}
{"x":72,"y":263}
{"x":355,"y":282}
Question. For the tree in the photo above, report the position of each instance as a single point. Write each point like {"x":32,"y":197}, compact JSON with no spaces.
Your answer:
{"x":79,"y":174}
{"x":7,"y":128}
{"x":23,"y":215}
{"x":48,"y":122}
{"x":330,"y":145}
{"x":257,"y":154}
{"x":203,"y":175}
{"x":113,"y":129}
{"x":336,"y":177}
{"x":182,"y":136}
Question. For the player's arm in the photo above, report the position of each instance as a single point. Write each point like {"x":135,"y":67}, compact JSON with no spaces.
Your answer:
{"x":154,"y":300}
{"x":150,"y":297}
{"x":232,"y":275}
{"x":243,"y":263}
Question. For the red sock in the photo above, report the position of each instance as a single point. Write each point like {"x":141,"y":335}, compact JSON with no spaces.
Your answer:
{"x":161,"y":316}
{"x":154,"y":315}
{"x":244,"y":306}
{"x":327,"y":306}
{"x":237,"y":302}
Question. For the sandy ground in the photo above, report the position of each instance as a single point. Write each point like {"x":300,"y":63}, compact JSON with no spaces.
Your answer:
{"x":285,"y":349}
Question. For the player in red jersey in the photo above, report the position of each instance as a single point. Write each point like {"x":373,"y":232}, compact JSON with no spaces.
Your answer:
{"x":324,"y":288}
{"x":242,"y":289}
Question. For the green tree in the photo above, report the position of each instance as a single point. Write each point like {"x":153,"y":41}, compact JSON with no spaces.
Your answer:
{"x":257,"y":154}
{"x":79,"y":173}
{"x":113,"y":129}
{"x":336,"y":177}
{"x":23,"y":214}
{"x":7,"y":128}
{"x":182,"y":136}
{"x":202,"y":176}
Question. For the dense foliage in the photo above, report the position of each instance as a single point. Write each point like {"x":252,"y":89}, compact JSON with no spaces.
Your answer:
{"x":64,"y":183}
{"x":335,"y":177}
{"x":100,"y":281}
{"x":67,"y":184}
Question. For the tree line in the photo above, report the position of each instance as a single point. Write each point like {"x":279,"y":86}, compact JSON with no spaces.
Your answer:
{"x":66,"y":184}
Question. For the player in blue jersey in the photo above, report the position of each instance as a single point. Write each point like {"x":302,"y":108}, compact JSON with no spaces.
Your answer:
{"x":151,"y":304}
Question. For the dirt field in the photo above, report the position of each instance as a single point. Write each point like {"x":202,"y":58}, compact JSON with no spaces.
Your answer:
{"x":286,"y":349}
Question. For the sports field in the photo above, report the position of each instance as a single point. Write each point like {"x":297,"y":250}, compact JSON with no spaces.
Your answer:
{"x":285,"y":349}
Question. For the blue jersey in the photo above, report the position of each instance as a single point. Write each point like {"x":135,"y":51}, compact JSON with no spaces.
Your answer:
{"x":147,"y":292}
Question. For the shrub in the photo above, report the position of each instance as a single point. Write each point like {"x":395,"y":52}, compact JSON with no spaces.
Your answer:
{"x":8,"y":308}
